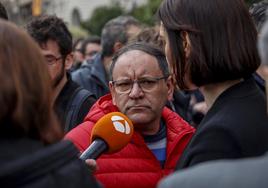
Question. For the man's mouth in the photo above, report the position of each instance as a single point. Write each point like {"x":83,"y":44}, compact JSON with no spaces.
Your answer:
{"x":138,"y":107}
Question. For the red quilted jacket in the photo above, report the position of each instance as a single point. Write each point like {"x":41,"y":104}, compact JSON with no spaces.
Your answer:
{"x":135,"y":166}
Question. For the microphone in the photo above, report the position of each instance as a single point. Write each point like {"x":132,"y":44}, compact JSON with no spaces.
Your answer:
{"x":109,"y":135}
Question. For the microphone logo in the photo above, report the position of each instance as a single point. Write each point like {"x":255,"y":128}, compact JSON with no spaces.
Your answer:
{"x":120,"y":124}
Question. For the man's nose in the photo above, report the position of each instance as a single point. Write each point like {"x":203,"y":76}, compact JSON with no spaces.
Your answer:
{"x":136,"y":91}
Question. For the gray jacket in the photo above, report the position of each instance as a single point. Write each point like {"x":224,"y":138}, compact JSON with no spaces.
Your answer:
{"x":241,"y":173}
{"x":92,"y":77}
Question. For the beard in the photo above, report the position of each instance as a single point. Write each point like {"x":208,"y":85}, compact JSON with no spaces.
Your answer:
{"x":58,"y":78}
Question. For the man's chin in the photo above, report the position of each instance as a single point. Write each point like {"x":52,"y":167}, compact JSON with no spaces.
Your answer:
{"x":138,"y":118}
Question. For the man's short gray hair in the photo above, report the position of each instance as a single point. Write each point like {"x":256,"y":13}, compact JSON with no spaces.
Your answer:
{"x":114,"y":31}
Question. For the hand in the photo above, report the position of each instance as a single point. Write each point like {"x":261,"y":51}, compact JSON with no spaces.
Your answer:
{"x":201,"y":107}
{"x":92,"y":164}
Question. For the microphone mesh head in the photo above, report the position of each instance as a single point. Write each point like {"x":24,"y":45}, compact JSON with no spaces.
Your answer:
{"x":116,"y":129}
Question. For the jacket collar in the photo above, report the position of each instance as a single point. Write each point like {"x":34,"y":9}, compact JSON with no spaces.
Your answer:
{"x":176,"y":126}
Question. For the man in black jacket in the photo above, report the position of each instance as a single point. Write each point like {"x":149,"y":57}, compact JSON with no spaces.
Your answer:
{"x":71,"y":102}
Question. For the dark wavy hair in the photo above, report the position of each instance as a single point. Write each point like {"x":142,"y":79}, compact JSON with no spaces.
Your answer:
{"x":114,"y":31}
{"x":91,"y":39}
{"x":50,"y":27}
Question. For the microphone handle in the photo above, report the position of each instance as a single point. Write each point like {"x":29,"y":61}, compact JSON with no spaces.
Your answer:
{"x":96,"y":148}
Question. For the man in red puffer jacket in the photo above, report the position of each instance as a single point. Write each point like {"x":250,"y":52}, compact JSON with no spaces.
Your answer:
{"x":140,"y":88}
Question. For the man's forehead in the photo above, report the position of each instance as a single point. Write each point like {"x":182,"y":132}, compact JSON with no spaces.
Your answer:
{"x":136,"y":62}
{"x":43,"y":45}
{"x":136,"y":57}
{"x":50,"y":47}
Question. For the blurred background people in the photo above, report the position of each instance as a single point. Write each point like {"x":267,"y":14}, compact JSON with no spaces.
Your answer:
{"x":85,"y":50}
{"x":94,"y":76}
{"x":90,"y":47}
{"x":78,"y":56}
{"x":3,"y":12}
{"x":31,"y":154}
{"x":212,"y":46}
{"x":263,"y":49}
{"x":71,"y":101}
{"x":258,"y":14}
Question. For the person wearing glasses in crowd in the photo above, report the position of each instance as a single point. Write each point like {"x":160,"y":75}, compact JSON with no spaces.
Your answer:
{"x":93,"y":74}
{"x":90,"y":47}
{"x":140,"y":87}
{"x":71,"y":102}
{"x":77,"y":54}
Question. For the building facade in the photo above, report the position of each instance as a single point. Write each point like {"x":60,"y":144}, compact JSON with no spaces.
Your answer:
{"x":71,"y":11}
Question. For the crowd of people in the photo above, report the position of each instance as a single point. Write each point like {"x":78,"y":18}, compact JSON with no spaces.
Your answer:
{"x":193,"y":86}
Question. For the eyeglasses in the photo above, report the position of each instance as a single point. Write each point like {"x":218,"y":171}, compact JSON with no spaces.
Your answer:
{"x":91,"y":53}
{"x":146,"y":84}
{"x":78,"y":50}
{"x":50,"y":59}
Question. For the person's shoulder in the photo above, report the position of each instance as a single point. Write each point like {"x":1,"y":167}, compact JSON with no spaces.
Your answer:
{"x":85,"y":68}
{"x":200,"y":176}
{"x":175,"y":120}
{"x":176,"y":126}
{"x":221,"y":174}
{"x":102,"y":106}
{"x":86,"y":103}
{"x":55,"y":157}
{"x":84,"y":76}
{"x":63,"y":165}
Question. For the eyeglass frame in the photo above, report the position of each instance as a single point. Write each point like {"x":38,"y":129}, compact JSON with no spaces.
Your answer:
{"x":154,"y":79}
{"x":54,"y":61}
{"x":92,"y":53}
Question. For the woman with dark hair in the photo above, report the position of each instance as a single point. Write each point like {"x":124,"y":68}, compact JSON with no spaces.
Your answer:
{"x":212,"y":46}
{"x":31,"y":154}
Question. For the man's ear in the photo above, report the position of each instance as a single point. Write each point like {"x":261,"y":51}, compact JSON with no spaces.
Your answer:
{"x":186,"y":44}
{"x":112,"y":91}
{"x":170,"y":87}
{"x":69,"y":61}
{"x":117,"y":46}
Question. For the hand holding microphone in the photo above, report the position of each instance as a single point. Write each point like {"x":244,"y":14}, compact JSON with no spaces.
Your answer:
{"x":109,"y":135}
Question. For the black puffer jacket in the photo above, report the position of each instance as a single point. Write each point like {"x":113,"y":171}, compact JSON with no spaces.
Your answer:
{"x":27,"y":163}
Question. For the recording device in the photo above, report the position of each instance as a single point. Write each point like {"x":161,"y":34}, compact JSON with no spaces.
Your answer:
{"x":109,"y":135}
